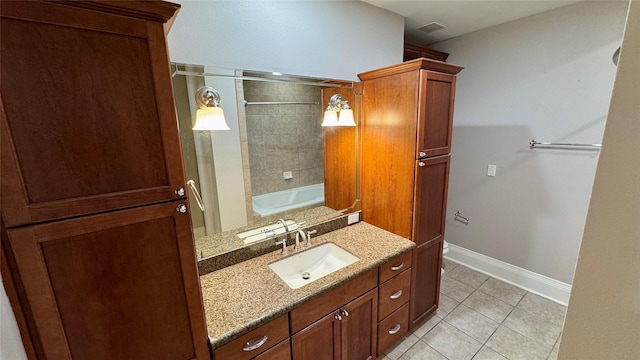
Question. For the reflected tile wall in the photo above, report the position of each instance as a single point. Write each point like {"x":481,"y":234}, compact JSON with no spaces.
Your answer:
{"x":283,"y":137}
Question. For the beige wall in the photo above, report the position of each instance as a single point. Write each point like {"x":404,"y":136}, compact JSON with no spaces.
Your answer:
{"x":603,"y":318}
{"x":283,"y":137}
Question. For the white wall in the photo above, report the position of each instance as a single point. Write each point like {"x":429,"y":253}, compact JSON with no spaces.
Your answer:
{"x":547,"y":77}
{"x":10,"y":342}
{"x":603,"y":319}
{"x":328,"y":39}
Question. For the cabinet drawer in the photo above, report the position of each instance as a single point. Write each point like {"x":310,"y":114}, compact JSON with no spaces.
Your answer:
{"x":281,"y":351}
{"x":394,"y":293}
{"x":393,"y":328}
{"x":255,"y":342}
{"x":395,"y":266}
{"x":332,"y":300}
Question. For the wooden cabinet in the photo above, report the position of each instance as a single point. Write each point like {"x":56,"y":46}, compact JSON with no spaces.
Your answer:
{"x":99,"y":247}
{"x":340,"y":324}
{"x":281,"y":351}
{"x":348,"y":332}
{"x":393,"y":304}
{"x":407,"y":128}
{"x":88,"y":116}
{"x":256,"y":342}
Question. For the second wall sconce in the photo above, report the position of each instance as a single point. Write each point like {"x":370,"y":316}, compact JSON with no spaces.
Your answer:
{"x":209,"y":115}
{"x":338,"y":112}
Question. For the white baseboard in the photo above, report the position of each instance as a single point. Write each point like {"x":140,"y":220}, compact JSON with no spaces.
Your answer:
{"x":528,"y":280}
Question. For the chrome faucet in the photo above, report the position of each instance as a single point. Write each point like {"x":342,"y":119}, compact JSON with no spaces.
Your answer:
{"x":283,"y":223}
{"x":299,"y":233}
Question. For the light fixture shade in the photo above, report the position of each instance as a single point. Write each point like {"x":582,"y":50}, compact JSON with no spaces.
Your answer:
{"x":345,"y":118}
{"x":330,"y":118}
{"x":210,"y":118}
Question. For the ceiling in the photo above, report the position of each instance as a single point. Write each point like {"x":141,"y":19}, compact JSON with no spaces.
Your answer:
{"x":460,"y":17}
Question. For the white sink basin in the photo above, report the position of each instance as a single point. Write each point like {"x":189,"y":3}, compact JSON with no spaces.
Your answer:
{"x":310,"y":265}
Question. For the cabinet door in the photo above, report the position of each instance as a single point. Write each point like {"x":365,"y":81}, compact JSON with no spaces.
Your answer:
{"x":435,"y":113}
{"x":425,"y":281}
{"x":88,"y":118}
{"x":359,"y":327}
{"x":120,"y":285}
{"x":281,"y":351}
{"x":318,"y":341}
{"x":430,"y":205}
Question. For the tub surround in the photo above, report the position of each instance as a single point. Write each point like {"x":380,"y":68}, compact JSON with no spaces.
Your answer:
{"x":241,"y":297}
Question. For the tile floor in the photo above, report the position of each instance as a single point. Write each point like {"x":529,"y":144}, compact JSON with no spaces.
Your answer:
{"x":482,"y":318}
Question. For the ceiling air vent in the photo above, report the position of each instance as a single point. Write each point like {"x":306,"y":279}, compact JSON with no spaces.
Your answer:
{"x":430,"y":27}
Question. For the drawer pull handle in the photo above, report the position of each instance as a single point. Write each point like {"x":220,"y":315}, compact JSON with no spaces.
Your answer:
{"x":252,"y":345}
{"x":396,"y":295}
{"x":394,"y":330}
{"x":397,"y":267}
{"x":345,"y":312}
{"x":338,"y":317}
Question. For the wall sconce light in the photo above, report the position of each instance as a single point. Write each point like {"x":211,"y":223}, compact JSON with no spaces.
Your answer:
{"x":209,"y":115}
{"x":338,"y":112}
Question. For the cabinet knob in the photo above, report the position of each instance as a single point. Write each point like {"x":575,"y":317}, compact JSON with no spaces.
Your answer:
{"x":338,"y":317}
{"x":179,"y":191}
{"x":345,"y":312}
{"x":422,"y":154}
{"x":420,"y":163}
{"x":182,"y":208}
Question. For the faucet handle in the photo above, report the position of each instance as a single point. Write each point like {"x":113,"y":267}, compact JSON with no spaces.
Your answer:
{"x":283,"y":242}
{"x":309,"y":233}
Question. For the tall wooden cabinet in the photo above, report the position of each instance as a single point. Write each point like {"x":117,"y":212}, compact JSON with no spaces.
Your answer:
{"x":94,"y":224}
{"x":408,"y":115}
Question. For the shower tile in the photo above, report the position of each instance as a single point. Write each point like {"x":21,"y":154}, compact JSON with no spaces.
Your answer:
{"x":311,"y":176}
{"x":467,"y":276}
{"x":488,"y":306}
{"x":472,"y":323}
{"x":503,"y":291}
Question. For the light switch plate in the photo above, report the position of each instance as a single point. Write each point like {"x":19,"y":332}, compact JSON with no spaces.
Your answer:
{"x":353,"y":218}
{"x":491,"y":170}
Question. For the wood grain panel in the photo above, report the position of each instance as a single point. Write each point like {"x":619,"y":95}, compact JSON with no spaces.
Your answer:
{"x":319,"y":341}
{"x":275,"y":331}
{"x":114,"y":286}
{"x":399,"y":317}
{"x":340,"y":150}
{"x":359,"y":328}
{"x":100,"y":134}
{"x":281,"y":351}
{"x":400,"y":283}
{"x":432,"y":182}
{"x":435,"y":119}
{"x":394,"y":266}
{"x":425,"y":281}
{"x":389,"y":147}
{"x":330,"y":301}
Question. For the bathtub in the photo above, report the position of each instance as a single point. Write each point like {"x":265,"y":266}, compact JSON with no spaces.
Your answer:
{"x":281,"y":201}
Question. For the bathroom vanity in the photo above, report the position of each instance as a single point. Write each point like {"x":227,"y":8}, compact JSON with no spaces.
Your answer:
{"x":348,"y":314}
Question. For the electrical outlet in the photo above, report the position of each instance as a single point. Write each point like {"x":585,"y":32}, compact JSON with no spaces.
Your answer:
{"x":353,"y":218}
{"x":491,"y":170}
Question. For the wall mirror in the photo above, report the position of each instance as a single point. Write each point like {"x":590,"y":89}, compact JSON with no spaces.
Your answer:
{"x":276,"y":161}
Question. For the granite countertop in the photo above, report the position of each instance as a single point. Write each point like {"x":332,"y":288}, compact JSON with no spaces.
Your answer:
{"x":242,"y":297}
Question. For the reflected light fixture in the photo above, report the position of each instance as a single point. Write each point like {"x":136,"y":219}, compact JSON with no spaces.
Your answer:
{"x":209,"y":115}
{"x":338,"y":112}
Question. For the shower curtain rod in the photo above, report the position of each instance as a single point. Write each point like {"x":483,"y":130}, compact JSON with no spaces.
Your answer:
{"x":533,"y":143}
{"x":281,"y":103}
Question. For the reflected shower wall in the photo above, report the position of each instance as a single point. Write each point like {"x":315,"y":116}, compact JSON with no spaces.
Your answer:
{"x":283,"y":138}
